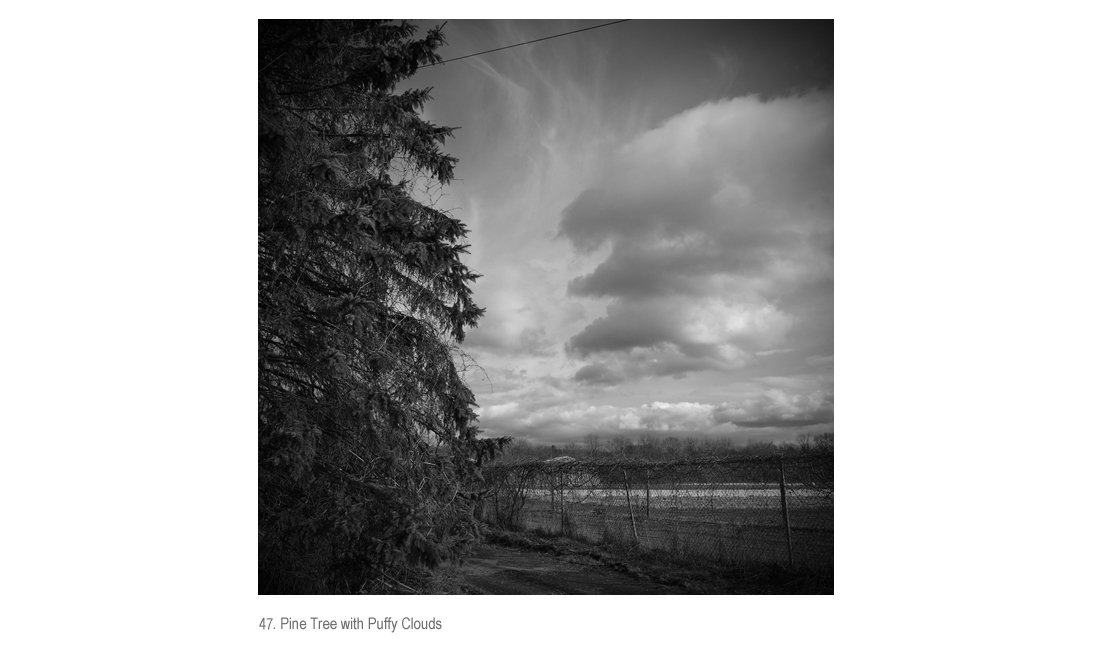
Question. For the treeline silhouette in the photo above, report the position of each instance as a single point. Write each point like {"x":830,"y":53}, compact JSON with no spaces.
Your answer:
{"x":653,"y":448}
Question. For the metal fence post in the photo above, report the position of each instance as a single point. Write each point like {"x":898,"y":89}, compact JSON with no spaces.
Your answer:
{"x":647,"y":493}
{"x":562,"y":503}
{"x":786,"y":513}
{"x":551,"y":485}
{"x":627,"y":484}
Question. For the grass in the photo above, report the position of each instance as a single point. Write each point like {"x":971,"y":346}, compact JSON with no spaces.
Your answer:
{"x":740,"y":534}
{"x":699,"y":576}
{"x":447,"y":578}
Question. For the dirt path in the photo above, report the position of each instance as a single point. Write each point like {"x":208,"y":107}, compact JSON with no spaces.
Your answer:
{"x":495,"y":569}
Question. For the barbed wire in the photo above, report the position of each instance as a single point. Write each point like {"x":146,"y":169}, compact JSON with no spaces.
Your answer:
{"x":773,"y":508}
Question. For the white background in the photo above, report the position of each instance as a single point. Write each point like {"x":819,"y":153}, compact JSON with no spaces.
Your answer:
{"x":962,"y":339}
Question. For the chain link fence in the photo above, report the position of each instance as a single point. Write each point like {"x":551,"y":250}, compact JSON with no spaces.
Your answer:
{"x":742,"y":509}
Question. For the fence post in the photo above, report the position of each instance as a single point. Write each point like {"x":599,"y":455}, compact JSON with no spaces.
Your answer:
{"x":551,"y":485}
{"x":647,"y":493}
{"x":786,"y":513}
{"x":627,"y":484}
{"x":562,"y":504}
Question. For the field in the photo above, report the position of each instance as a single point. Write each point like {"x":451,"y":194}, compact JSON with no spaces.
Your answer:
{"x":723,"y":523}
{"x":728,"y":522}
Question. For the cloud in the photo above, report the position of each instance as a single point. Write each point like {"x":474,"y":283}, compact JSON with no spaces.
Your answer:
{"x":717,"y":224}
{"x":638,"y":246}
{"x":597,"y":374}
{"x":675,"y":417}
{"x":777,"y":408}
{"x":727,"y":163}
{"x":675,"y":335}
{"x":573,"y":421}
{"x":513,"y":324}
{"x":772,"y":414}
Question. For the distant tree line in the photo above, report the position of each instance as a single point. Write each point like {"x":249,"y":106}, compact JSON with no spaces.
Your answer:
{"x":650,"y":447}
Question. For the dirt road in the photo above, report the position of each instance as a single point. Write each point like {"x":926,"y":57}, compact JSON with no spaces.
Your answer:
{"x":496,"y":569}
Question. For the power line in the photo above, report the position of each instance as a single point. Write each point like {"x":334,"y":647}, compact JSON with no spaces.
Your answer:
{"x":498,"y":49}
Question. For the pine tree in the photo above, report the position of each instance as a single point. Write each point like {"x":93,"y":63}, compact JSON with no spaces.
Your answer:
{"x":367,"y":448}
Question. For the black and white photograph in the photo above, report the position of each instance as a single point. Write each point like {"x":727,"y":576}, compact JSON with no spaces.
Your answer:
{"x":549,"y":303}
{"x":546,"y":307}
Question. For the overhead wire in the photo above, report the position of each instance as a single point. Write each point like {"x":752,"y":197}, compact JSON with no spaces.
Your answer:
{"x":498,"y":49}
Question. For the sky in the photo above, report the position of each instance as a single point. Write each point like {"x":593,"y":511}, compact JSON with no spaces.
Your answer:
{"x":651,"y":211}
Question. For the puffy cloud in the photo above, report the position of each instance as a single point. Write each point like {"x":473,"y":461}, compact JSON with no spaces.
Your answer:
{"x":597,"y":374}
{"x":757,"y":170}
{"x":712,"y":321}
{"x":782,"y":413}
{"x":573,"y":421}
{"x":718,"y":225}
{"x":675,"y":335}
{"x":626,"y":326}
{"x":657,"y":361}
{"x":675,"y":417}
{"x":500,"y":411}
{"x":778,"y":408}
